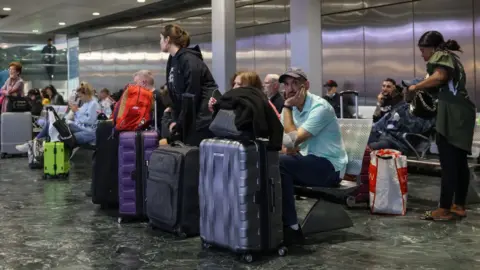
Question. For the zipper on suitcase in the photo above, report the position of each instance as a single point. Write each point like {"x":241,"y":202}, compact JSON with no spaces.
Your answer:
{"x":55,"y":158}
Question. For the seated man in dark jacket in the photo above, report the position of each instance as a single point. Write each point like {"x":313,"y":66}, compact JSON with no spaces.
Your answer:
{"x":388,"y":98}
{"x":334,"y":99}
{"x":388,"y":131}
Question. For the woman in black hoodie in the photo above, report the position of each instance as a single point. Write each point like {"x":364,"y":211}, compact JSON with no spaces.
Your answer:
{"x":187,"y":76}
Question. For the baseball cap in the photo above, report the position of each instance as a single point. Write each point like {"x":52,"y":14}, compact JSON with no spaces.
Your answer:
{"x":294,"y":73}
{"x":330,"y":83}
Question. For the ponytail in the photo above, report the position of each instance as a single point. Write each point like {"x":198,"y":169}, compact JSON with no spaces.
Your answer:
{"x":451,"y":45}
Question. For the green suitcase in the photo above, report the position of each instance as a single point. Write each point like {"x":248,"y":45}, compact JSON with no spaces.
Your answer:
{"x":56,"y":160}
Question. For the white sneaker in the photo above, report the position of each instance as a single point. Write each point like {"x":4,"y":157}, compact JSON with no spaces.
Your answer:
{"x":73,"y":152}
{"x":23,"y":147}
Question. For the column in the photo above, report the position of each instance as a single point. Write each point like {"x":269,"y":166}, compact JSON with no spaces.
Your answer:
{"x":306,"y":40}
{"x":224,"y":49}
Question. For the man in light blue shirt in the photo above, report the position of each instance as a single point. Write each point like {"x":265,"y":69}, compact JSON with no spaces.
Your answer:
{"x":313,"y":151}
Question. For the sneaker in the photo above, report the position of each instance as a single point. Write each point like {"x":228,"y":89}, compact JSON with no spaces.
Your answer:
{"x":74,"y":151}
{"x":23,"y":147}
{"x":293,"y":237}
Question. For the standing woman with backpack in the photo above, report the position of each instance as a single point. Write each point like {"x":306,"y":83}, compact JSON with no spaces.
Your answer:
{"x":187,"y":76}
{"x":455,"y":121}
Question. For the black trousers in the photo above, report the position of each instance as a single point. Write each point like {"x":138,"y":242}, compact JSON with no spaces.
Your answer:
{"x":455,"y":173}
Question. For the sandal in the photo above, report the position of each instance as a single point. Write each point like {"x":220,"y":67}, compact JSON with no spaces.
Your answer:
{"x":459,"y":211}
{"x":429,"y":215}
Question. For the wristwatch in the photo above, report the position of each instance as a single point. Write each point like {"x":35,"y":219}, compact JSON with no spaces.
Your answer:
{"x":288,"y":107}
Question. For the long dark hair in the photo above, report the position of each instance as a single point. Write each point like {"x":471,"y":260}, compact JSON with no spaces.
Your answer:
{"x":434,"y":39}
{"x":53,"y":89}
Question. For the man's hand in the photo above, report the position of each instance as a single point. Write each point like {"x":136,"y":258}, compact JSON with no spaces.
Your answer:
{"x":298,"y":99}
{"x":380,"y":97}
{"x":412,"y":88}
{"x":163,"y":142}
{"x":172,"y":125}
{"x":289,"y":151}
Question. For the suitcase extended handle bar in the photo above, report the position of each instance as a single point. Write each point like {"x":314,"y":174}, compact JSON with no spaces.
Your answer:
{"x":351,"y":92}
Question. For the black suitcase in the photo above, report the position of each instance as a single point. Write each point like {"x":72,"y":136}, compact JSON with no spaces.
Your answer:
{"x":172,"y":189}
{"x":105,"y":167}
{"x":240,"y":197}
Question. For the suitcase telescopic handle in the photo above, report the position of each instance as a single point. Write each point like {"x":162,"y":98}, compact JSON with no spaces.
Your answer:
{"x":272,"y":194}
{"x":348,"y":92}
{"x":177,"y":144}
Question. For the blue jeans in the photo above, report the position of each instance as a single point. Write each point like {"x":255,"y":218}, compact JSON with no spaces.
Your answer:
{"x":83,"y":135}
{"x":301,"y":170}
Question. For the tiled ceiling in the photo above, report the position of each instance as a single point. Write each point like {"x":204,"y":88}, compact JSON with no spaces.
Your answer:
{"x":34,"y":16}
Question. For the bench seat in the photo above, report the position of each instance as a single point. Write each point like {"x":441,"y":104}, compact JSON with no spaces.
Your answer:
{"x":355,"y":134}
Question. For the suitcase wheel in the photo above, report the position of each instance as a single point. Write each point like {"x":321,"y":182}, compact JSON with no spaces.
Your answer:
{"x":3,"y":155}
{"x":181,"y":234}
{"x":350,"y":201}
{"x":282,"y":251}
{"x":247,"y":257}
{"x":206,"y":245}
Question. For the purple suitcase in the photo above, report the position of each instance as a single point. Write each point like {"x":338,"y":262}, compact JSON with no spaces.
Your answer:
{"x":134,"y":150}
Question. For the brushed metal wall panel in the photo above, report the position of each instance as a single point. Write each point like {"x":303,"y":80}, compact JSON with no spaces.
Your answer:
{"x":476,"y":8}
{"x":205,"y":43}
{"x":376,"y":3}
{"x":270,"y":48}
{"x":454,"y":19}
{"x":389,"y":49}
{"x":245,"y":49}
{"x":287,"y":47}
{"x":343,"y":50}
{"x":83,"y":45}
{"x":197,"y":24}
{"x":271,"y":11}
{"x":334,"y":6}
{"x":108,"y":76}
{"x":244,"y":16}
{"x":96,"y":43}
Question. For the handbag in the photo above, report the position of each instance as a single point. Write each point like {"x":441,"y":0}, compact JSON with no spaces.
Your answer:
{"x":423,"y":105}
{"x":388,"y":183}
{"x":65,"y":135}
{"x":17,"y":104}
{"x":223,"y":125}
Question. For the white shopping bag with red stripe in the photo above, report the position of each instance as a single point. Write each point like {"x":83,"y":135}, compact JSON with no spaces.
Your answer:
{"x":388,"y":182}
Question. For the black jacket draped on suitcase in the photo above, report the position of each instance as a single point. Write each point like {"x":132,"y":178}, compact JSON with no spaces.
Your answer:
{"x":252,"y":110}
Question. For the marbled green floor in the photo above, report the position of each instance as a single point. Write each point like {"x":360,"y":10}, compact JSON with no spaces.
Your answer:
{"x":52,"y":225}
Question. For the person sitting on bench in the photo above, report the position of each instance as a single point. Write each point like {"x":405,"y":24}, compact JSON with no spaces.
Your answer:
{"x":313,"y":150}
{"x":85,"y":120}
{"x":388,"y":132}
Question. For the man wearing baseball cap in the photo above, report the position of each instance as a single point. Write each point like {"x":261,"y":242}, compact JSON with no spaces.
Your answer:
{"x":313,"y":150}
{"x":334,"y":99}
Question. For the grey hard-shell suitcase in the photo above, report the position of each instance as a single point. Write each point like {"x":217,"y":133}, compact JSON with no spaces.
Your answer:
{"x":16,"y":128}
{"x":240,"y":197}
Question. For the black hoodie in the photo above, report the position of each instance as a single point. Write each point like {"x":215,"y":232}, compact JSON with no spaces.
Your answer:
{"x":188,"y":75}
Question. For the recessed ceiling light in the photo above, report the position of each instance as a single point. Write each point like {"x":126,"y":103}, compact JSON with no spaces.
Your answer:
{"x":141,"y":1}
{"x":61,"y":23}
{"x":6,"y":9}
{"x":95,"y":14}
{"x":35,"y":31}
